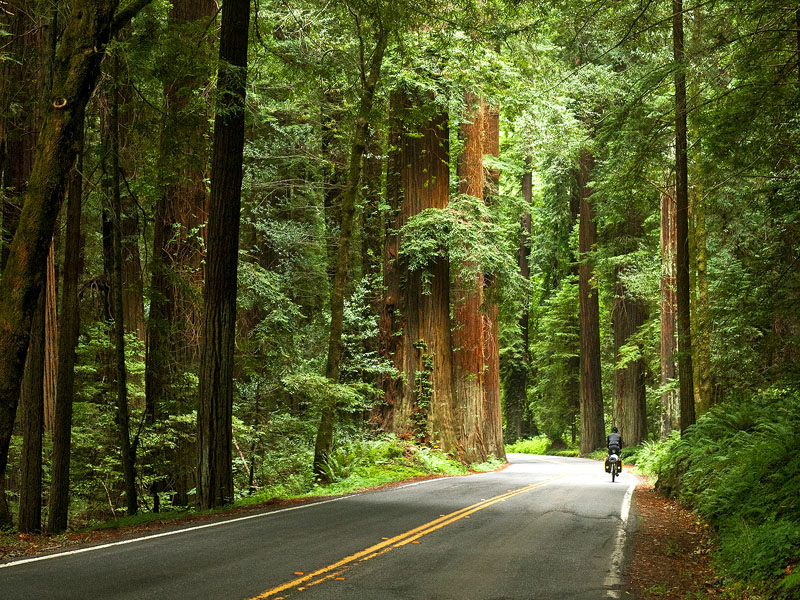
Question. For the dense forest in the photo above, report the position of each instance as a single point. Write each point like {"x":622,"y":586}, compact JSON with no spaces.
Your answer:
{"x":237,"y":237}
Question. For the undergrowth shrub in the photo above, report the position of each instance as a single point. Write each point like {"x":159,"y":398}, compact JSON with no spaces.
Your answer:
{"x":739,"y":468}
{"x":537,"y":445}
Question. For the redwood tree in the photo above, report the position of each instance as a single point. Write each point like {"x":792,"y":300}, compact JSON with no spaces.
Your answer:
{"x":687,"y":416}
{"x":425,"y":407}
{"x":592,"y":420}
{"x":492,"y":410}
{"x":215,"y":410}
{"x":67,"y":341}
{"x":468,"y":359}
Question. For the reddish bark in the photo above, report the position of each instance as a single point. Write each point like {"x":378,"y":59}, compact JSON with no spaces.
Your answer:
{"x":492,"y":410}
{"x":425,"y":407}
{"x":468,"y":359}
{"x":628,"y":314}
{"x":592,"y":419}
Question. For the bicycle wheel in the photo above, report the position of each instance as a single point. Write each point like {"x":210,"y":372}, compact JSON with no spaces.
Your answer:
{"x":613,"y":471}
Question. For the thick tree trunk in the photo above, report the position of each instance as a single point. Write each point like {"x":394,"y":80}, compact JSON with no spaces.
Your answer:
{"x":592,"y":419}
{"x":670,"y":406}
{"x":468,"y":365}
{"x":426,"y":405}
{"x":348,"y":207}
{"x":516,"y":386}
{"x":628,"y":314}
{"x":67,"y":341}
{"x":687,"y":416}
{"x":215,"y":412}
{"x":32,"y":425}
{"x":76,"y":67}
{"x":492,"y":407}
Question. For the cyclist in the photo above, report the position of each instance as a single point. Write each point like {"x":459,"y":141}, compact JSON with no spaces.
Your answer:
{"x":614,"y":443}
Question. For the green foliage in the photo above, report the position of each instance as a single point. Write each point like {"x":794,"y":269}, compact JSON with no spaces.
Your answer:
{"x":362,"y":462}
{"x":537,"y":445}
{"x":467,"y":234}
{"x":737,"y":467}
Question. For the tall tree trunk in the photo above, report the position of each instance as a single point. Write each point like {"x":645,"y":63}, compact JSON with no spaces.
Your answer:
{"x":177,"y":261}
{"x":468,"y":364}
{"x":492,"y":409}
{"x":348,"y":206}
{"x":32,"y":424}
{"x":701,"y":360}
{"x":215,"y":412}
{"x":517,"y":381}
{"x":76,"y":67}
{"x":592,"y":419}
{"x":687,"y":416}
{"x":67,"y":341}
{"x":50,"y":372}
{"x":628,"y":314}
{"x":127,"y":449}
{"x":426,"y":405}
{"x":670,"y":401}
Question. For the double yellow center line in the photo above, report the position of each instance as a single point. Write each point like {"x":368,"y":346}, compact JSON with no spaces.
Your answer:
{"x":332,"y":570}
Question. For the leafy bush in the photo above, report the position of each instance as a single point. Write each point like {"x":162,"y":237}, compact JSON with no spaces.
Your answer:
{"x":739,"y":468}
{"x":362,"y":462}
{"x":537,"y":445}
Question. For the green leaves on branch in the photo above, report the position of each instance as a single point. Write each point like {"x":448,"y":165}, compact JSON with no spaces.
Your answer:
{"x":468,"y":235}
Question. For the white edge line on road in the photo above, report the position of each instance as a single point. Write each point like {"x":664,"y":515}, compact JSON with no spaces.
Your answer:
{"x":614,"y":575}
{"x":421,"y":482}
{"x":168,"y":533}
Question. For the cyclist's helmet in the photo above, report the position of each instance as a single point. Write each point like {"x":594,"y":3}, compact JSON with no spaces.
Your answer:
{"x":614,"y":429}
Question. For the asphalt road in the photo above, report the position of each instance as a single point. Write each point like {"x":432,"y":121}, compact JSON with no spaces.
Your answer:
{"x":544,"y":528}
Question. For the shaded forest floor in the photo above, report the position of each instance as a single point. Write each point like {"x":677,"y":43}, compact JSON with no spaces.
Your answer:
{"x":672,"y":552}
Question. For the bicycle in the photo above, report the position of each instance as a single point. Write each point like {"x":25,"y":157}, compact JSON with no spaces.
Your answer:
{"x":613,"y":464}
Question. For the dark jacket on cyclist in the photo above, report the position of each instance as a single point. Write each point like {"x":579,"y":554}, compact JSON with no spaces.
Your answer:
{"x":614,"y":442}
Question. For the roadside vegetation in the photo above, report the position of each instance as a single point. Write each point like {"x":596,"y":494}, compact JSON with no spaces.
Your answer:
{"x":737,"y":468}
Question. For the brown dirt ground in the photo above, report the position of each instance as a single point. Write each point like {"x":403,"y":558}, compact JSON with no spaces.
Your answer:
{"x":671,"y":552}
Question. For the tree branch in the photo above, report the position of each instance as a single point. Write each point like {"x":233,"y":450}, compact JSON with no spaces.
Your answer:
{"x":126,"y":13}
